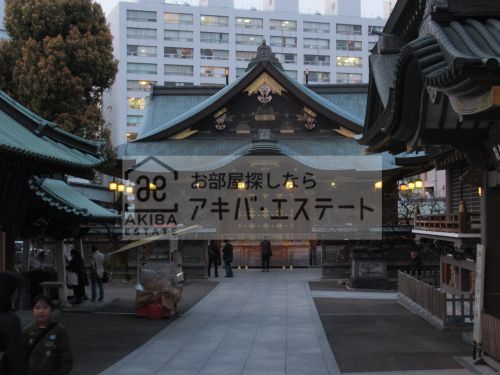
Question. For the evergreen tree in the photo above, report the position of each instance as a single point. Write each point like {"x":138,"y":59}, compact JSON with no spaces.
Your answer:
{"x":59,"y":61}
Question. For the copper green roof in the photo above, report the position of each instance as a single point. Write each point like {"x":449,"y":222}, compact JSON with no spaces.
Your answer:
{"x":62,"y":197}
{"x":211,"y":104}
{"x":26,"y":136}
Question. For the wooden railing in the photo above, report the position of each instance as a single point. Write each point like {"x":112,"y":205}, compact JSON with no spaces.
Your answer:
{"x":491,"y":335}
{"x":424,"y":295}
{"x":451,"y":309}
{"x":452,"y":223}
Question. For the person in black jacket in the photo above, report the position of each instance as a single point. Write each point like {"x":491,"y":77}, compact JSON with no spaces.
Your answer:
{"x":12,"y":348}
{"x":416,"y":265}
{"x":49,"y":350}
{"x":227,"y":255}
{"x":213,"y":257}
{"x":266,"y":253}
{"x":76,"y":265}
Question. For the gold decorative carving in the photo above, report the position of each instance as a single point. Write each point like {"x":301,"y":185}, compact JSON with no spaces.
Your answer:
{"x":184,"y":134}
{"x":264,"y":80}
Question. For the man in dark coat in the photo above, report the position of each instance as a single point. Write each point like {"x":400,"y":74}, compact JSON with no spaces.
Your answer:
{"x":213,"y":257}
{"x":12,"y":348}
{"x":416,"y":265}
{"x":266,"y":253}
{"x":227,"y":255}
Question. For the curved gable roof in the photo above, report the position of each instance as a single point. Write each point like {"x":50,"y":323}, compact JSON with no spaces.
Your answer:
{"x":222,"y":97}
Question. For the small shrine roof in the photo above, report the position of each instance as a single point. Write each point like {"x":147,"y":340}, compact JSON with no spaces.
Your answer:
{"x":62,"y":197}
{"x":26,"y":136}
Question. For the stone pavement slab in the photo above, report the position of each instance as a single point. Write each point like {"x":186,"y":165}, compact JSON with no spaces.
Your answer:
{"x":380,"y":336}
{"x":254,"y":323}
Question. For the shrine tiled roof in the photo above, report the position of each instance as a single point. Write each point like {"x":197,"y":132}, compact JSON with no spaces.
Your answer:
{"x":62,"y":197}
{"x":26,"y":136}
{"x":434,"y":71}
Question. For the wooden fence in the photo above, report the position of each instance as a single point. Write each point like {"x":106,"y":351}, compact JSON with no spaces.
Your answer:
{"x":491,"y":335}
{"x":424,"y":295}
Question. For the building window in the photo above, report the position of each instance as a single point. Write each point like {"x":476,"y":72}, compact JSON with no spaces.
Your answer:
{"x":250,"y":40}
{"x":131,"y":137}
{"x":142,"y":51}
{"x":214,"y":54}
{"x":245,"y":55}
{"x":316,"y":43}
{"x":136,"y":103}
{"x":178,"y":18}
{"x":322,"y":60}
{"x":178,"y":52}
{"x":322,"y":77}
{"x":141,"y":68}
{"x":177,"y":84}
{"x":316,"y":27}
{"x":377,"y":29}
{"x":178,"y":35}
{"x":216,"y":38}
{"x":345,"y":61}
{"x":286,"y":58}
{"x":135,"y":120}
{"x":141,"y":16}
{"x":371,"y":45}
{"x":283,"y":25}
{"x":291,"y":73}
{"x":138,"y":33}
{"x":240,"y":72}
{"x":249,"y":23}
{"x":349,"y":45}
{"x":214,"y":20}
{"x":349,"y":78}
{"x":283,"y":41}
{"x":213,"y":71}
{"x":179,"y":70}
{"x":345,"y":29}
{"x":142,"y":85}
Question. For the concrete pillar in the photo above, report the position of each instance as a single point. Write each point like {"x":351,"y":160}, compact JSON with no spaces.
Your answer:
{"x":25,"y":262}
{"x":61,"y":269}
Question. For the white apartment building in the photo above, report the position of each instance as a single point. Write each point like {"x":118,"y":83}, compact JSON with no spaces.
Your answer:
{"x":3,"y":32}
{"x":178,"y":45}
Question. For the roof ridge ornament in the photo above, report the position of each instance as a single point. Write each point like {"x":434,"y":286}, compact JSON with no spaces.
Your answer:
{"x":264,"y":54}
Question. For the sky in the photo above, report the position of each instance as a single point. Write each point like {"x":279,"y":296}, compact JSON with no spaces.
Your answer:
{"x":370,"y":8}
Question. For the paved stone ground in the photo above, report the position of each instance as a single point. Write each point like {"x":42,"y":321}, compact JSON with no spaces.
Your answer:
{"x":380,"y":335}
{"x":255,"y":323}
{"x":103,"y":333}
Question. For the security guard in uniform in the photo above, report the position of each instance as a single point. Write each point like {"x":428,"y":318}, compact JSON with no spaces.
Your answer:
{"x":48,"y":344}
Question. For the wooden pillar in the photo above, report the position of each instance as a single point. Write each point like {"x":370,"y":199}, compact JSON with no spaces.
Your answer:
{"x":10,"y":248}
{"x":79,"y":247}
{"x":61,"y":268}
{"x":25,"y":262}
{"x":2,"y":251}
{"x":449,"y":197}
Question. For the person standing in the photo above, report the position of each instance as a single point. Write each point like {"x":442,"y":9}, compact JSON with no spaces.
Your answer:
{"x":97,"y":273}
{"x":12,"y":348}
{"x":49,"y":351}
{"x":266,"y":253}
{"x":416,"y":265}
{"x":77,"y":266}
{"x":213,"y":257}
{"x":227,"y":255}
